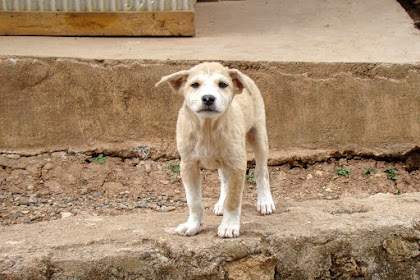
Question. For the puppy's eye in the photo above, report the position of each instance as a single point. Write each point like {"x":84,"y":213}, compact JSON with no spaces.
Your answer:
{"x":195,"y":85}
{"x":223,"y":85}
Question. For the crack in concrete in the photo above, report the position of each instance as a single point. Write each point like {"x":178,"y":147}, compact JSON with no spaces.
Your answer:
{"x":411,"y":155}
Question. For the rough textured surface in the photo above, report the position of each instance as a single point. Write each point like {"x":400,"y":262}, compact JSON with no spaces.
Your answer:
{"x":61,"y":104}
{"x":326,"y":226}
{"x":372,"y":238}
{"x":259,"y":30}
{"x":51,"y":186}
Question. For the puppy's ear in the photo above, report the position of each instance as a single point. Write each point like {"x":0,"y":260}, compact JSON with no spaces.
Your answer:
{"x":239,"y":81}
{"x":175,"y":80}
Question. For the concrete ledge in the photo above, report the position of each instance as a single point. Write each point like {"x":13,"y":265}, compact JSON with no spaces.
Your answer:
{"x":372,"y":238}
{"x":258,"y":30}
{"x":53,"y":104}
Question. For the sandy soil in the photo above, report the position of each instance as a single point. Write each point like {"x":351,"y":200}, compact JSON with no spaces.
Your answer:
{"x":59,"y":185}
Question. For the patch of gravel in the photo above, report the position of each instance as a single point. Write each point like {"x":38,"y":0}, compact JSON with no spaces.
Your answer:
{"x":58,"y":185}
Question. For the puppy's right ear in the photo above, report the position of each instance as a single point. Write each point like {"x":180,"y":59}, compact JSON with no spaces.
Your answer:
{"x":175,"y":80}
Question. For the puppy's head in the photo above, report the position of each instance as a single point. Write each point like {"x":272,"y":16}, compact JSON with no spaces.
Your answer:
{"x":208,"y":88}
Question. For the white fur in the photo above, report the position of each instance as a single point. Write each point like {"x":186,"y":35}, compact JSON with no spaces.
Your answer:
{"x":213,"y":136}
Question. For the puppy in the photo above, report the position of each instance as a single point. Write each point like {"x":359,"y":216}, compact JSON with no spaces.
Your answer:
{"x":222,"y":109}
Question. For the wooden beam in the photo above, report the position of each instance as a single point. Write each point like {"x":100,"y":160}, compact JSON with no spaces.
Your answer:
{"x":162,"y":23}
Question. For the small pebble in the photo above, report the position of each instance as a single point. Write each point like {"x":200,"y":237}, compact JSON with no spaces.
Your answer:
{"x":148,"y":166}
{"x":13,"y":156}
{"x":122,"y":207}
{"x":65,"y":215}
{"x":36,"y":217}
{"x":141,"y":205}
{"x":33,"y":199}
{"x":58,"y":155}
{"x":49,"y":166}
{"x":76,"y":211}
{"x":24,"y":200}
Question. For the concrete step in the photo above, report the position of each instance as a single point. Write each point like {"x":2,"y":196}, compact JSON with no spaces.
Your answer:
{"x":314,"y":110}
{"x":371,"y":238}
{"x":258,"y":30}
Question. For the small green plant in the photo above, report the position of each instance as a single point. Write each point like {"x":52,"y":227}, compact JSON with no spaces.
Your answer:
{"x":390,"y":173}
{"x":250,"y":177}
{"x":84,"y":181}
{"x":174,"y":168}
{"x":367,"y":171}
{"x":341,"y":171}
{"x":99,"y":159}
{"x":400,"y":192}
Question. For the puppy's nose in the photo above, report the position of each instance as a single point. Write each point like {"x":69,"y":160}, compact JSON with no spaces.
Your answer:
{"x":208,"y":99}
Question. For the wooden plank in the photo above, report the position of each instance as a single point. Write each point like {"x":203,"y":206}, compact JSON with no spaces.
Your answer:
{"x":162,"y":23}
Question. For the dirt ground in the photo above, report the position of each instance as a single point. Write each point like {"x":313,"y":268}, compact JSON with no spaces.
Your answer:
{"x":59,"y":185}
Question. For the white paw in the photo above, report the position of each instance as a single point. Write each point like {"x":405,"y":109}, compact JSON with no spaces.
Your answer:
{"x":266,"y":206}
{"x":188,"y":229}
{"x":228,"y":231}
{"x":218,"y":209}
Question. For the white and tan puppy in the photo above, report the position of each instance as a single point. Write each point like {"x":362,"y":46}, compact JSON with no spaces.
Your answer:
{"x":222,"y":108}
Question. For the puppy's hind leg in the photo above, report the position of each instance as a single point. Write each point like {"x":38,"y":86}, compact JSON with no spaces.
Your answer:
{"x":218,"y":207}
{"x":190,"y":173}
{"x":257,"y":137}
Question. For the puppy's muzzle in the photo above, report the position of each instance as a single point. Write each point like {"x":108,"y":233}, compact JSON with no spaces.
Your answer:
{"x":208,"y":100}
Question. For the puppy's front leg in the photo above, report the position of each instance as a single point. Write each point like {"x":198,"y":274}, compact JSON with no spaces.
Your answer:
{"x":190,"y":173}
{"x":218,"y":208}
{"x":232,"y":205}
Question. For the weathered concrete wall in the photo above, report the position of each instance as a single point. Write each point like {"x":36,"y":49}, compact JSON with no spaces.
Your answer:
{"x":59,"y":104}
{"x":371,"y":238}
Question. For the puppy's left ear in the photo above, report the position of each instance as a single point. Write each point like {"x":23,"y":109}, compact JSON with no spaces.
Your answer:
{"x":240,"y":81}
{"x":175,"y":80}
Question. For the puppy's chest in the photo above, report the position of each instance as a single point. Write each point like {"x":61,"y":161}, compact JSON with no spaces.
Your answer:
{"x":209,"y":152}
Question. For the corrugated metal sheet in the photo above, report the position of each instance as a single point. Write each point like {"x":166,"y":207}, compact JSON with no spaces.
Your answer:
{"x":96,"y":5}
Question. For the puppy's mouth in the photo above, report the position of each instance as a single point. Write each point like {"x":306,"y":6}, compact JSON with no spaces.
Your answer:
{"x":207,"y":110}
